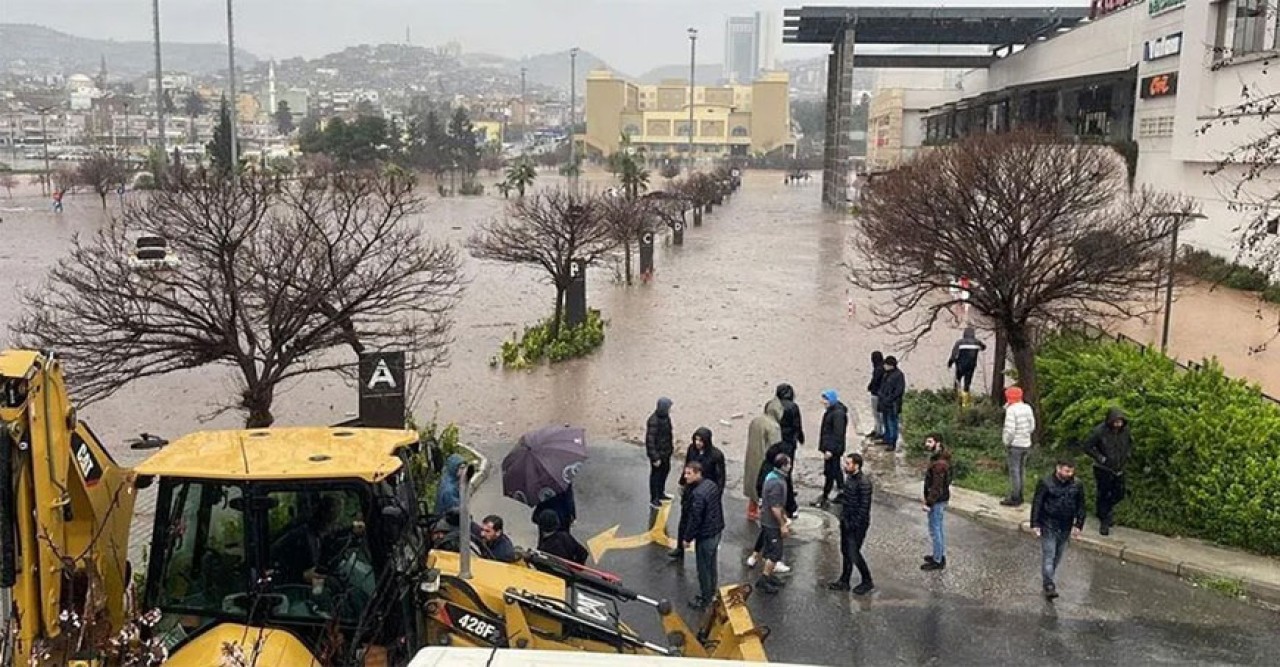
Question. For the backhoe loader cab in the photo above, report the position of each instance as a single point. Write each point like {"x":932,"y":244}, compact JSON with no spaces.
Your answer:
{"x":309,"y":531}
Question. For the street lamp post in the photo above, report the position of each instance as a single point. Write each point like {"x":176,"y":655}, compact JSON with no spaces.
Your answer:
{"x":573,"y":119}
{"x":231,"y":85}
{"x":1181,"y":217}
{"x":44,"y":140}
{"x":693,"y":50}
{"x":155,"y":26}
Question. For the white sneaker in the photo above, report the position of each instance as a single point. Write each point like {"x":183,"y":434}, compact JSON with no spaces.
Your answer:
{"x":780,"y":568}
{"x":752,"y":560}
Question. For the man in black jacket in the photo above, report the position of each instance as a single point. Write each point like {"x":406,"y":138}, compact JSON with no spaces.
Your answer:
{"x":1110,"y":447}
{"x":703,"y":528}
{"x":792,"y":426}
{"x":855,"y":519}
{"x":892,"y":389}
{"x":831,"y":440}
{"x":873,"y":388}
{"x":1057,"y":515}
{"x":659,"y":446}
{"x":964,"y":358}
{"x":704,"y":452}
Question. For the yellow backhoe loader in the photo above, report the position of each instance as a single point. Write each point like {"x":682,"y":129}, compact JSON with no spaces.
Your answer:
{"x":276,"y":547}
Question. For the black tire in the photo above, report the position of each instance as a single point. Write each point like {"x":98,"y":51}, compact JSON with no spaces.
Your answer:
{"x":151,"y":242}
{"x":151,"y":253}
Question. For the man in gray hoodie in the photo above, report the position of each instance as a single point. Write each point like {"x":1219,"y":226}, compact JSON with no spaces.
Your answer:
{"x":964,"y":358}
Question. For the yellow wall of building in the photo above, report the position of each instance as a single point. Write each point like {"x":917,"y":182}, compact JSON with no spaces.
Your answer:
{"x":492,"y":130}
{"x":770,"y":112}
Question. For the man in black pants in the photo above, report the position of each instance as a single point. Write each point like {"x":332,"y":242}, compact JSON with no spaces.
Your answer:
{"x":831,"y":443}
{"x":792,"y":425}
{"x":855,"y":519}
{"x":964,"y":357}
{"x":1110,"y":447}
{"x":658,"y":446}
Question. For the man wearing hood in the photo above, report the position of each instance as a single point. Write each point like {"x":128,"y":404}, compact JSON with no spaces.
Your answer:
{"x":831,"y":442}
{"x":1110,"y":447}
{"x":448,"y":492}
{"x":555,"y":539}
{"x":762,"y":433}
{"x":873,"y":388}
{"x":964,"y":358}
{"x":892,"y":389}
{"x":792,"y":435}
{"x":711,"y":459}
{"x":659,"y":446}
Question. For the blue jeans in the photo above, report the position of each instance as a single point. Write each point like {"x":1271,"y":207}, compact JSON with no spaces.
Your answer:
{"x":706,"y":551}
{"x":891,"y":429}
{"x":1053,"y":546}
{"x":936,"y":532}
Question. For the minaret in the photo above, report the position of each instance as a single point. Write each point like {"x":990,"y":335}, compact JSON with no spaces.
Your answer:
{"x":271,"y":87}
{"x":102,"y":73}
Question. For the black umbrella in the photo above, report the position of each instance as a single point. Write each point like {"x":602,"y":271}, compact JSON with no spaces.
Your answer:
{"x":543,"y":463}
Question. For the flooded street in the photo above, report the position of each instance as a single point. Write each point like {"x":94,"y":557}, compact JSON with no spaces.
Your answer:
{"x":756,"y":296}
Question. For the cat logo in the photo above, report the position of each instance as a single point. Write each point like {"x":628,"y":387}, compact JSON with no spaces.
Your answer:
{"x":593,"y":608}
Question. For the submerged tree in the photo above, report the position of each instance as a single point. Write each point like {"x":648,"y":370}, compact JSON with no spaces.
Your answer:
{"x":628,"y":219}
{"x":103,"y":173}
{"x":1047,"y":232}
{"x":549,"y":230}
{"x":272,"y":277}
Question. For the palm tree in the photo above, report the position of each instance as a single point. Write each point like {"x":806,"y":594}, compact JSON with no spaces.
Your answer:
{"x":633,"y":176}
{"x":521,"y":175}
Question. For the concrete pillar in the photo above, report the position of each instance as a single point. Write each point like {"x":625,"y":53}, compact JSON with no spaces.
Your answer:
{"x":835,"y":167}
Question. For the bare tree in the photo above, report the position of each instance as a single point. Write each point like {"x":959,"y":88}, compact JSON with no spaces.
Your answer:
{"x":1047,"y":232}
{"x":64,"y":179}
{"x":549,"y":230}
{"x":273,"y":276}
{"x":8,"y":181}
{"x":628,"y":219}
{"x":102,"y":173}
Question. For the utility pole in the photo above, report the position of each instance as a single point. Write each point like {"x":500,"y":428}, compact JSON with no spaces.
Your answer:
{"x":693,"y":50}
{"x":231,"y":85}
{"x":524,"y":104}
{"x":44,"y":136}
{"x":1182,"y":217}
{"x":573,"y":120}
{"x":155,"y":29}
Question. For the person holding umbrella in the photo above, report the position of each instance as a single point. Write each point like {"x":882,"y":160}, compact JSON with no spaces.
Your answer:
{"x":540,"y":469}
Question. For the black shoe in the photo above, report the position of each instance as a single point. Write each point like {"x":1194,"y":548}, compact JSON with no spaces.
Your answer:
{"x":655,"y":504}
{"x":934,"y":565}
{"x":820,"y":503}
{"x":764,"y":585}
{"x":1050,"y":591}
{"x":698,"y":603}
{"x":667,"y":496}
{"x":863,"y":588}
{"x":676,"y":554}
{"x":1104,"y":529}
{"x":929,"y":558}
{"x":1011,"y":502}
{"x":777,"y":582}
{"x":838,"y":586}
{"x":894,"y":448}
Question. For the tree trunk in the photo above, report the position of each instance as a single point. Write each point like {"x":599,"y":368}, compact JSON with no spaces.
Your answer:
{"x":999,"y":354}
{"x":257,"y":403}
{"x":1024,"y":359}
{"x":626,"y":253}
{"x":559,"y":314}
{"x":103,"y":197}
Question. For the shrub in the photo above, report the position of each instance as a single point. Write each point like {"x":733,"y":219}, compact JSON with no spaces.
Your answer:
{"x":436,"y":444}
{"x":536,"y":343}
{"x":1212,"y":268}
{"x":471,"y":189}
{"x":971,"y":433}
{"x":1206,"y":457}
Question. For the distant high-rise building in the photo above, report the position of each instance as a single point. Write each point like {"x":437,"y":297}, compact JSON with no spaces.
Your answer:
{"x":770,"y":39}
{"x":741,"y":48}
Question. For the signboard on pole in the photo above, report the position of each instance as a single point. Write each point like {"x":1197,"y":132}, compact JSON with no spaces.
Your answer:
{"x":646,"y":253}
{"x":575,"y":299}
{"x":382,"y":389}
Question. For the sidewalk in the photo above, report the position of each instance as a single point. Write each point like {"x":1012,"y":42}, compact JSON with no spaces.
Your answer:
{"x":1186,"y":558}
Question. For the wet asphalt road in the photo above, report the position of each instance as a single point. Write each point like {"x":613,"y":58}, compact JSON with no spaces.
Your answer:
{"x":984,"y":609}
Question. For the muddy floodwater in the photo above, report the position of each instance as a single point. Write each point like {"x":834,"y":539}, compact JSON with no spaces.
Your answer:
{"x":754,"y":297}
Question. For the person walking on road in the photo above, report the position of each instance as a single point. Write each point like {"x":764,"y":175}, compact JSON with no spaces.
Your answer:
{"x":762,"y":432}
{"x":703,"y":451}
{"x":792,"y":425}
{"x":873,"y":388}
{"x":1019,"y":425}
{"x":964,"y":358}
{"x":892,"y":388}
{"x":855,"y":519}
{"x":659,"y":446}
{"x":1110,"y":447}
{"x":769,"y":466}
{"x":831,"y":442}
{"x":705,"y":524}
{"x":937,"y":493}
{"x":1057,"y":515}
{"x":774,"y":525}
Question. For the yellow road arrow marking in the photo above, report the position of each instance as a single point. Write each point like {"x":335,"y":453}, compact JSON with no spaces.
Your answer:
{"x":657,"y":534}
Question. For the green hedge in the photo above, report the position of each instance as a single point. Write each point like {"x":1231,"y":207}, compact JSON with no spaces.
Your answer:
{"x":1209,"y":267}
{"x":1207,"y":448}
{"x":536,"y":343}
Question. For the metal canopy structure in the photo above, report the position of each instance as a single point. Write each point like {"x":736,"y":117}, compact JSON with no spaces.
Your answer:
{"x":844,"y":27}
{"x":990,"y":26}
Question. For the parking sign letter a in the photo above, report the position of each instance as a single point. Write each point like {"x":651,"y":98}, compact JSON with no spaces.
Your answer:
{"x":382,"y":375}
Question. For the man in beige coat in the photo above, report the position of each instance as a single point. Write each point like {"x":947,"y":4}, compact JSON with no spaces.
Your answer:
{"x":762,"y":433}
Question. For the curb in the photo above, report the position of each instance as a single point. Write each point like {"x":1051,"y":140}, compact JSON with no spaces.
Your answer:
{"x":1265,"y":592}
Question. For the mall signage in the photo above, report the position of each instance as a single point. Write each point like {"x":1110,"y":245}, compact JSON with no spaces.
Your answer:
{"x":1156,"y":6}
{"x":1169,"y":45}
{"x":1159,"y":85}
{"x":1103,"y":7}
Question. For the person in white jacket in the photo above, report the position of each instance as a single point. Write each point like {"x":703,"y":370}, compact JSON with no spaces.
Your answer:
{"x":1019,"y":424}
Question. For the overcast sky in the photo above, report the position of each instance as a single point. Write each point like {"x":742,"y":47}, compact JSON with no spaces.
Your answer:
{"x":631,"y":35}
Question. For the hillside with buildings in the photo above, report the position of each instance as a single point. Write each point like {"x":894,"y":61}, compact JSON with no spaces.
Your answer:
{"x":32,"y":50}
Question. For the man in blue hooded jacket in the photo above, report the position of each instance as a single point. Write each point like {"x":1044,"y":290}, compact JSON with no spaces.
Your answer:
{"x":831,"y":442}
{"x":448,"y":493}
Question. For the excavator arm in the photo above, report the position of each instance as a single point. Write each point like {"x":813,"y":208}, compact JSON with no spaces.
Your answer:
{"x":65,"y":510}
